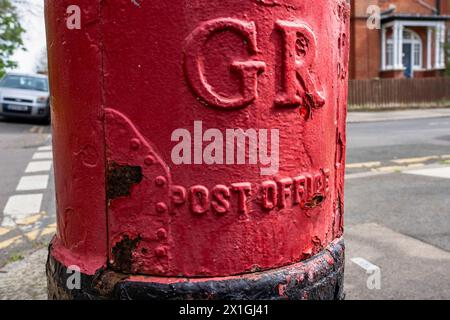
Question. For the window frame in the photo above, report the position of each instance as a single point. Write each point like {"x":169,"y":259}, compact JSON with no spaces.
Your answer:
{"x":412,"y":38}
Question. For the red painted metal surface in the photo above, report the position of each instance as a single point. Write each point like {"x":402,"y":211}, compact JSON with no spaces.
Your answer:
{"x":75,"y":75}
{"x":134,"y":74}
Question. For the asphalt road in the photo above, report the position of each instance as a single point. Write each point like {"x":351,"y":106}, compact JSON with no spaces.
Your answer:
{"x":398,"y":209}
{"x":397,"y":206}
{"x":386,"y":140}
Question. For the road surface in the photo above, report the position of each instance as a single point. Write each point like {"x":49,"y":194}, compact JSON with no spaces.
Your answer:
{"x":398,"y":209}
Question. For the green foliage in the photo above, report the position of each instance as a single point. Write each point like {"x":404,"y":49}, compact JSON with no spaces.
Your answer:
{"x":15,"y":258}
{"x":10,"y":35}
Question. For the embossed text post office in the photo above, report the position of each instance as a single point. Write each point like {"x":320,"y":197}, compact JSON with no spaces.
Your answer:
{"x":199,"y":148}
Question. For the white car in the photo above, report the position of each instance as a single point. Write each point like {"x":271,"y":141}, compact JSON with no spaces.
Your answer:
{"x":25,"y":96}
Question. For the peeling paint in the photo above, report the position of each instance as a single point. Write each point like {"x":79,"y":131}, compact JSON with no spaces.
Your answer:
{"x":106,"y":282}
{"x":120,"y":180}
{"x":320,"y":278}
{"x":315,"y":201}
{"x":123,"y":254}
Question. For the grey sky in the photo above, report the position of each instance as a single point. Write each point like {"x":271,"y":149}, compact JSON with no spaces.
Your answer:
{"x":32,"y":18}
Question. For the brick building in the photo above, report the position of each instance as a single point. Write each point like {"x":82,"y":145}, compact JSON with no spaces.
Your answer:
{"x":410,"y":40}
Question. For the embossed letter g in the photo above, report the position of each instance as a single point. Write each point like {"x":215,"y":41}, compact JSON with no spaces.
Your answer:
{"x":247,"y":70}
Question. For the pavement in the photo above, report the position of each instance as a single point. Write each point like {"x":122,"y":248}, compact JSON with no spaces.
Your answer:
{"x":372,"y":116}
{"x":25,"y":279}
{"x":397,"y":206}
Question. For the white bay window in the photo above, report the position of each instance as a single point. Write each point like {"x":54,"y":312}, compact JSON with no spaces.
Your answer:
{"x":402,"y":48}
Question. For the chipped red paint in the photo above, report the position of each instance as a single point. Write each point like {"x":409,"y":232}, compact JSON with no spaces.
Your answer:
{"x":132,"y":75}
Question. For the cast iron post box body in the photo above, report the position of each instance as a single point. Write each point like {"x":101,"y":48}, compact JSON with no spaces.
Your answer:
{"x":199,"y":148}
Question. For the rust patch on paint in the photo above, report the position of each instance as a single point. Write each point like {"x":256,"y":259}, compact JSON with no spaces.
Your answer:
{"x":315,"y":201}
{"x":340,"y":148}
{"x":317,"y":245}
{"x":122,"y":254}
{"x":106,"y":282}
{"x":120,"y":179}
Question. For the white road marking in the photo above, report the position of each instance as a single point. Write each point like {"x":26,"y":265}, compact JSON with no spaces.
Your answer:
{"x":46,"y":148}
{"x":443,"y":172}
{"x":366,"y":265}
{"x":43,"y":156}
{"x":21,"y":206}
{"x":30,"y":183}
{"x":38,"y":166}
{"x":25,"y":208}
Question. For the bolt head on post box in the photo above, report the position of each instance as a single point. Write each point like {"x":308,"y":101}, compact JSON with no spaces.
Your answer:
{"x":199,"y":148}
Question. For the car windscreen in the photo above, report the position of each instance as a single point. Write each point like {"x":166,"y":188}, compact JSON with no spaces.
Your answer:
{"x":24,"y":82}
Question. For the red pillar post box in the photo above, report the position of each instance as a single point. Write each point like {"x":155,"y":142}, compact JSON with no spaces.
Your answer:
{"x":199,"y":148}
